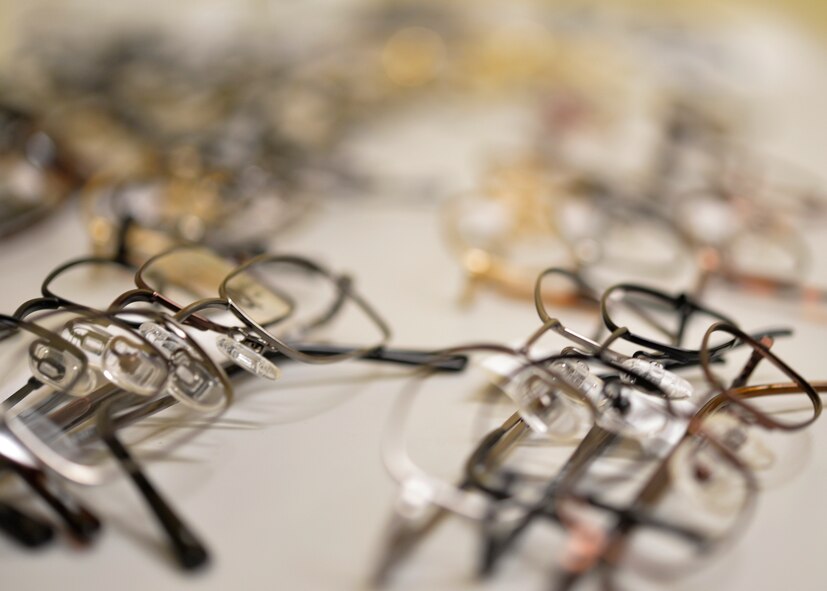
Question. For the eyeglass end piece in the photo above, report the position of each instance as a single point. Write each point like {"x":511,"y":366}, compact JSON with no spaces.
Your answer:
{"x":192,"y":557}
{"x":24,"y":529}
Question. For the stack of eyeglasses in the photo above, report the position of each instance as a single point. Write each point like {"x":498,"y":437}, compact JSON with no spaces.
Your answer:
{"x":643,"y":448}
{"x":86,"y":382}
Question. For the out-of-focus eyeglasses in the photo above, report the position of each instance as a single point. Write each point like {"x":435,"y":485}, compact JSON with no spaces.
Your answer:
{"x":34,"y":175}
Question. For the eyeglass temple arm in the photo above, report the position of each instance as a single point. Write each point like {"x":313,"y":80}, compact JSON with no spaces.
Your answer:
{"x":595,"y":443}
{"x":404,"y":537}
{"x":490,"y":450}
{"x":414,"y":357}
{"x":686,"y":308}
{"x":641,"y":518}
{"x":411,"y":357}
{"x":23,"y":528}
{"x":189,"y":552}
{"x":30,"y":386}
{"x":81,"y":523}
{"x":752,"y":363}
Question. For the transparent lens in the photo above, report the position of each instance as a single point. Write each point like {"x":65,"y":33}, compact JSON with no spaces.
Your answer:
{"x":702,"y":503}
{"x":437,"y":438}
{"x":41,"y":412}
{"x":701,"y":471}
{"x":49,"y":433}
{"x":259,"y":300}
{"x":741,"y":440}
{"x":185,"y":275}
{"x":94,"y":284}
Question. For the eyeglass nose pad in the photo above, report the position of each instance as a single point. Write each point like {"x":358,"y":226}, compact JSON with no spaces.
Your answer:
{"x":248,"y":358}
{"x":671,"y":384}
{"x":90,"y":339}
{"x":162,"y":339}
{"x":133,"y":367}
{"x":59,"y":368}
{"x":189,"y":377}
{"x":543,"y":407}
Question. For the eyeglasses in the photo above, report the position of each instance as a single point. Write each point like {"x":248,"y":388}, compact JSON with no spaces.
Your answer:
{"x":263,"y":300}
{"x":80,"y":522}
{"x":659,"y":321}
{"x":707,"y":488}
{"x":568,"y":394}
{"x":35,"y":178}
{"x":707,"y":485}
{"x":95,"y":392}
{"x":556,"y":394}
{"x":265,"y":296}
{"x":165,"y":370}
{"x":230,"y":211}
{"x":527,"y":209}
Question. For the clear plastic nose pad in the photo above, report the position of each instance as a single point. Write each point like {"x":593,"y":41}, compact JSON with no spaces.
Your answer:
{"x":189,"y":378}
{"x":577,"y":374}
{"x":167,"y":342}
{"x":133,"y":367}
{"x":59,"y":368}
{"x":92,"y":340}
{"x":672,"y":385}
{"x":543,"y":407}
{"x":248,"y":358}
